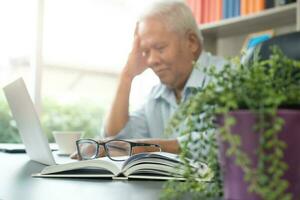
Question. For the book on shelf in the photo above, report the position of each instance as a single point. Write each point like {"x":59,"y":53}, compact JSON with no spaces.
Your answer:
{"x":218,"y":10}
{"x":207,"y":11}
{"x":155,"y":166}
{"x":225,"y":9}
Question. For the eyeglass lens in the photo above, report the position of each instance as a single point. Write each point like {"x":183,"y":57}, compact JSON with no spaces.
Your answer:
{"x":118,"y":150}
{"x":88,"y":149}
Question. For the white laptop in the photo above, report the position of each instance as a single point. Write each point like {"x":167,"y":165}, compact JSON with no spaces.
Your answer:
{"x":28,"y":123}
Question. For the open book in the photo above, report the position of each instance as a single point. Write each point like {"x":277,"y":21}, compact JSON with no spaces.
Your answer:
{"x":158,"y":165}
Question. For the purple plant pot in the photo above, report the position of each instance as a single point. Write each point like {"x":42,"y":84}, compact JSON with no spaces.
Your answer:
{"x":235,"y":187}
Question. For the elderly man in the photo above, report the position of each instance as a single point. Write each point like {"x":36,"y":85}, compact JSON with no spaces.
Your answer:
{"x":168,"y":41}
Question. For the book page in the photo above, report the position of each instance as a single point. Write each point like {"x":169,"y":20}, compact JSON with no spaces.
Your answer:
{"x":160,"y":169}
{"x":100,"y":163}
{"x":163,"y":157}
{"x":160,"y":162}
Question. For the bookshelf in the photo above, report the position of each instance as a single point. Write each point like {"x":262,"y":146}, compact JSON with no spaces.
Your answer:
{"x":226,"y":37}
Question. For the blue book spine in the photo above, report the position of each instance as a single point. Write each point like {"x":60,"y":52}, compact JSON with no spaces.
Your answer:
{"x":237,"y":8}
{"x":230,"y":8}
{"x":224,"y":9}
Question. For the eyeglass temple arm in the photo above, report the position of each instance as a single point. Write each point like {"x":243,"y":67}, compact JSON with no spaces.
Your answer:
{"x":146,"y":145}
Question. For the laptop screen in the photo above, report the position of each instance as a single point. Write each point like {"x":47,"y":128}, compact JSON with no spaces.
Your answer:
{"x":28,"y":123}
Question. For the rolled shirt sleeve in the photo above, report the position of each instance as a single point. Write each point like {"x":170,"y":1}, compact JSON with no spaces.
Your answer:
{"x":136,"y":127}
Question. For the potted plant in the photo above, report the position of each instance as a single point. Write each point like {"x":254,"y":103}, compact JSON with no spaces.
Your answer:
{"x":246,"y":125}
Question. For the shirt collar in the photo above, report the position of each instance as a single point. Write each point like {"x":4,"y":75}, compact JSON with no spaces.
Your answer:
{"x":162,"y":90}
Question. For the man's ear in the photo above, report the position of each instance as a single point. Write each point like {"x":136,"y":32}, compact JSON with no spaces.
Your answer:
{"x":193,"y":42}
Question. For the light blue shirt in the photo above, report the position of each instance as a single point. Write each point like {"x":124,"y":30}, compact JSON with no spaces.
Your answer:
{"x":150,"y":120}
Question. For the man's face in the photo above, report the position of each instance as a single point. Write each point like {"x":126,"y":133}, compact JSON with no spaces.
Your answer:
{"x":168,"y":54}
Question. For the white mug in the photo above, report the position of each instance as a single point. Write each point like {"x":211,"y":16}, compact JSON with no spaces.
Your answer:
{"x":66,"y":141}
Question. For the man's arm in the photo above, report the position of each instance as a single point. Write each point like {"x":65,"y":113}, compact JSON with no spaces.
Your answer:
{"x":167,"y":145}
{"x":119,"y":112}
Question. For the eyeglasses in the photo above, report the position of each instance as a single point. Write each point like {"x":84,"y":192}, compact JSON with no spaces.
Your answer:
{"x":117,"y":150}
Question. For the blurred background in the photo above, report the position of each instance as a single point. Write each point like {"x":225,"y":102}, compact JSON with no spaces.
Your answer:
{"x":70,"y":53}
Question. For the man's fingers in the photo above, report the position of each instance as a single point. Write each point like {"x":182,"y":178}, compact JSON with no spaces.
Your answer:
{"x":136,"y":28}
{"x":136,"y":49}
{"x":74,"y":156}
{"x":136,"y":40}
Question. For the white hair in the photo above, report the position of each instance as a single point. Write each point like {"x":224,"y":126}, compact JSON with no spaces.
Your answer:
{"x":175,"y":14}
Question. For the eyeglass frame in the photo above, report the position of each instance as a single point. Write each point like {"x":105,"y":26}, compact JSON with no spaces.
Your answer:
{"x":132,"y":144}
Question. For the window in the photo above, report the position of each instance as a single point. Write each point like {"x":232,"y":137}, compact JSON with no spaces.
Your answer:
{"x":85,"y":44}
{"x":16,"y":38}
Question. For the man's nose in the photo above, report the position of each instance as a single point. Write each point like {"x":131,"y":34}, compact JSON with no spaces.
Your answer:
{"x":153,"y":58}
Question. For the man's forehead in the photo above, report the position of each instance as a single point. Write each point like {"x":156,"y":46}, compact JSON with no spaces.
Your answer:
{"x":147,"y":41}
{"x":151,"y":25}
{"x":153,"y":31}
